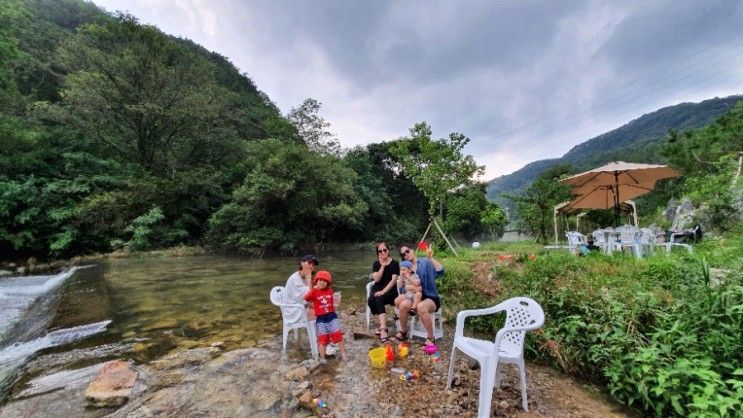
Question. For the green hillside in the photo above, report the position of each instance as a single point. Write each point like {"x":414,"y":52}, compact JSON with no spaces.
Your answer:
{"x":637,"y":141}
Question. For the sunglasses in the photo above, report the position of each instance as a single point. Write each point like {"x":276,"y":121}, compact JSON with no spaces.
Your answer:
{"x":403,"y":253}
{"x":383,"y":250}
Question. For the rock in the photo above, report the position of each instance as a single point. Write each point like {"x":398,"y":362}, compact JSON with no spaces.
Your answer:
{"x":218,"y":344}
{"x":5,"y":273}
{"x":297,"y":374}
{"x":112,"y":386}
{"x":305,"y":400}
{"x":310,"y":364}
{"x":21,"y":270}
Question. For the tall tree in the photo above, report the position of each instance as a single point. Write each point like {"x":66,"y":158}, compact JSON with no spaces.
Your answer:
{"x":535,"y":206}
{"x":313,"y":129}
{"x":436,"y":167}
{"x":146,"y":97}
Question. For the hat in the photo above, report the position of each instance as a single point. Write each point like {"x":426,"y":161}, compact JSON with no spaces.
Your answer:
{"x":407,"y":264}
{"x":323,"y":275}
{"x":310,"y":257}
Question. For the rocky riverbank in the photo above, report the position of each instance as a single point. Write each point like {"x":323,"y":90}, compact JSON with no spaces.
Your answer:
{"x":261,"y":382}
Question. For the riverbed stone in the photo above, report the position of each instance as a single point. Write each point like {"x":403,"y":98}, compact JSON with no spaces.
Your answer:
{"x":297,"y":374}
{"x":112,"y":386}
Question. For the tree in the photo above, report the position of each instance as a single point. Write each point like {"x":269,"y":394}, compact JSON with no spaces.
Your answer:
{"x":465,"y":210}
{"x":145,"y":97}
{"x":289,"y":197}
{"x":312,"y":128}
{"x":535,"y":206}
{"x":436,"y":167}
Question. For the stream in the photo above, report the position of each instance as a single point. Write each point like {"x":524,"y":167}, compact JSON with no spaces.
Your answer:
{"x":144,"y":308}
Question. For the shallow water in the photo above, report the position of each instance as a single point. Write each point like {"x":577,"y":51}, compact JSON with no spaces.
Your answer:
{"x":158,"y":305}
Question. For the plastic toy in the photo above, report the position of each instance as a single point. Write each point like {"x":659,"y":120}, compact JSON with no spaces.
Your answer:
{"x":430,"y":349}
{"x":319,"y":403}
{"x":390,"y":353}
{"x":435,"y":357}
{"x":410,"y":375}
{"x":422,"y":246}
{"x":378,"y":357}
{"x":403,"y":350}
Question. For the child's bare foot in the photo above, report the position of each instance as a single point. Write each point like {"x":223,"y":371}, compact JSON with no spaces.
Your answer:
{"x":322,"y":360}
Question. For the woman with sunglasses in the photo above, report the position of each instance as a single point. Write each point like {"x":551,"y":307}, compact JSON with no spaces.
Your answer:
{"x":383,"y":292}
{"x":427,"y":269}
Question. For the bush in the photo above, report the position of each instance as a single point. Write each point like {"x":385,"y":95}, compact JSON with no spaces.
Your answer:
{"x":663,"y":334}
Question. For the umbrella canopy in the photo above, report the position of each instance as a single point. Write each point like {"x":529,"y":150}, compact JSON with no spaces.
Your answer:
{"x":606,"y":186}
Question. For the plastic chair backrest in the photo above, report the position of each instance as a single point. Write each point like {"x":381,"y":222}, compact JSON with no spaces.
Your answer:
{"x":599,"y":236}
{"x":629,"y":234}
{"x":575,"y":238}
{"x":524,"y":313}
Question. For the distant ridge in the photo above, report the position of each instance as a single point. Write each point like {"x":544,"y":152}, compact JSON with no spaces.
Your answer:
{"x":637,"y":141}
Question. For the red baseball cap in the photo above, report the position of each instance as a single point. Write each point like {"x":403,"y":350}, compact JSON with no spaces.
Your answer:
{"x":323,"y":275}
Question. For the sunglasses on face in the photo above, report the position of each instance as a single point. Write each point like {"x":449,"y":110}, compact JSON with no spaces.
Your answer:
{"x":383,"y":250}
{"x":405,"y":252}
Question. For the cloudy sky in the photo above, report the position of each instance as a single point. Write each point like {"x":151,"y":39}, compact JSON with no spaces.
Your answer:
{"x":525,"y":80}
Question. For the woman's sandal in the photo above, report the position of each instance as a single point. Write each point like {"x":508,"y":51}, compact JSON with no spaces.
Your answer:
{"x":430,"y":341}
{"x":401,"y":336}
{"x":383,"y":337}
{"x":413,"y":312}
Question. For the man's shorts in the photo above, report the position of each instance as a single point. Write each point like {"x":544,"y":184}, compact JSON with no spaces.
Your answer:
{"x":328,"y":329}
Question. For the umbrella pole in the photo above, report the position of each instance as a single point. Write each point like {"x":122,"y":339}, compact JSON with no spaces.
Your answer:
{"x":616,"y":198}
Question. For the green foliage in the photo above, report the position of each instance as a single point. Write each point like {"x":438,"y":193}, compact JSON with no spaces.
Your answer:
{"x":143,"y":230}
{"x":465,"y":211}
{"x":663,"y":333}
{"x":313,"y":129}
{"x":436,"y":167}
{"x":290,"y":196}
{"x":536,"y":204}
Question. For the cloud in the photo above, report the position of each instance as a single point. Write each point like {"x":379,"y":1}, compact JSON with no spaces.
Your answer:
{"x":524,"y":80}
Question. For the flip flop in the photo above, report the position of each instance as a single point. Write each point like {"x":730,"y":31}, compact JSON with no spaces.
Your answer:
{"x":385,"y":338}
{"x":401,"y":336}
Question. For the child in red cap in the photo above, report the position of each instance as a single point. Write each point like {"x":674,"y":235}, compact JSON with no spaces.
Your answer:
{"x":328,"y":325}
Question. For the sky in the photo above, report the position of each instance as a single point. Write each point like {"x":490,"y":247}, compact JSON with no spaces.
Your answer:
{"x":524,"y":80}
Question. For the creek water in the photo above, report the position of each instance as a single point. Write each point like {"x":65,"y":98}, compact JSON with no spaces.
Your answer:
{"x":144,"y":308}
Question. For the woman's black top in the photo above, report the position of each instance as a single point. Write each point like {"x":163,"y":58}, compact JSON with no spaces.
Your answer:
{"x":392,"y":268}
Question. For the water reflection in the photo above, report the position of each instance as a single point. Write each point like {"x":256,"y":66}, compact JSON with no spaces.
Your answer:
{"x":164,"y":304}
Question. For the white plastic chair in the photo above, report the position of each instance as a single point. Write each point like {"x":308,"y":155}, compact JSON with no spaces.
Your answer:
{"x":368,"y":311}
{"x":279,"y":299}
{"x":630,"y":237}
{"x":575,"y":239}
{"x":522,"y":315}
{"x":601,"y":239}
{"x":416,"y":328}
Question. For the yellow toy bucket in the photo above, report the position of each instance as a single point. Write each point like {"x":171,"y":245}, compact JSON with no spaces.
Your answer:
{"x":378,"y":357}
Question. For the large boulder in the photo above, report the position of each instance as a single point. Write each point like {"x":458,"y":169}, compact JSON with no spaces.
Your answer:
{"x":112,"y":386}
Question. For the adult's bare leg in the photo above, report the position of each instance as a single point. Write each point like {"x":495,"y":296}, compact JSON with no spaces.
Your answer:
{"x":424,"y":313}
{"x":403,"y":308}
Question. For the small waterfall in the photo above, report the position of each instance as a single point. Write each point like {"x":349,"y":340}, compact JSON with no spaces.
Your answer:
{"x":27,"y":305}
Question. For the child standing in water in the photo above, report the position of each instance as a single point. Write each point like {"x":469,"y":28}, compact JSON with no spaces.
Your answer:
{"x":409,"y":286}
{"x":328,"y":325}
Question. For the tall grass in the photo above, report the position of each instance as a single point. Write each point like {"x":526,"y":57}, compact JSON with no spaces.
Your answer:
{"x":664,"y":334}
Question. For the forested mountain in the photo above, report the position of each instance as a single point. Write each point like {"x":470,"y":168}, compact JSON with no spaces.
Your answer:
{"x":117,"y":136}
{"x":637,"y":141}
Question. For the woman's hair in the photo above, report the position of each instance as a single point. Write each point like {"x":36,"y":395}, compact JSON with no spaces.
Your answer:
{"x":404,"y":246}
{"x":380,"y":243}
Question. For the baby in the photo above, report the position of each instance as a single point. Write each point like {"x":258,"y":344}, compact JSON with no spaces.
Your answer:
{"x":328,"y":325}
{"x":409,"y":286}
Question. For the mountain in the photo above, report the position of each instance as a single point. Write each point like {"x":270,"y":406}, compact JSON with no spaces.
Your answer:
{"x":637,"y":141}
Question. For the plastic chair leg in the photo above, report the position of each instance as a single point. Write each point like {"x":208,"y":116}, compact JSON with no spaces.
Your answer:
{"x":497,"y":375}
{"x":486,"y":390}
{"x":286,"y":336}
{"x":296,"y":335}
{"x":368,"y":318}
{"x":450,"y":376}
{"x":522,"y":377}
{"x":312,"y":335}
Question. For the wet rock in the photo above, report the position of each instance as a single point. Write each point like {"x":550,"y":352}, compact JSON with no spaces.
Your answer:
{"x":218,"y":344}
{"x":5,"y":273}
{"x":112,"y":386}
{"x":310,"y":364}
{"x":191,"y":357}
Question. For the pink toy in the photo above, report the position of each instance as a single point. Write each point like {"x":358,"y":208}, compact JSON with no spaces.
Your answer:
{"x":430,"y":349}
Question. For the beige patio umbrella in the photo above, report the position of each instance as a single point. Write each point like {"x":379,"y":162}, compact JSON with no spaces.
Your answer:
{"x":606,"y":186}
